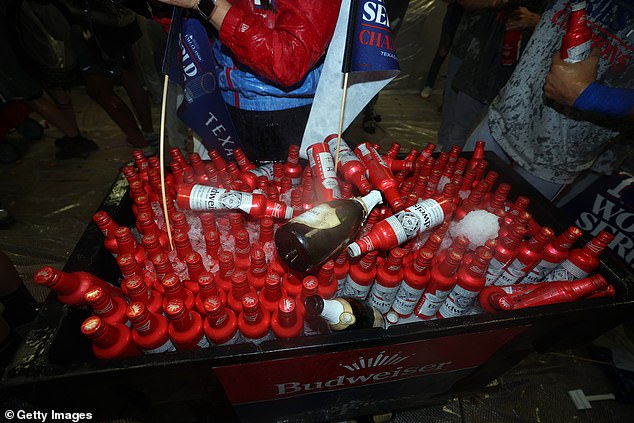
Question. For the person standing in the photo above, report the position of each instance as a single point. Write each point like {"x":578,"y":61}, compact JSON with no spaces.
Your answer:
{"x":270,"y":56}
{"x":549,"y":143}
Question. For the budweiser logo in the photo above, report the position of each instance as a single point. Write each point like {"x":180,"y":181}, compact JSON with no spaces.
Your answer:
{"x":378,"y":368}
{"x":378,"y":360}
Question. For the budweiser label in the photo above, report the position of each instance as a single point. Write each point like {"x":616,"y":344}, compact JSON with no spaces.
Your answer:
{"x":431,"y":303}
{"x":355,"y":290}
{"x":494,"y":271}
{"x":382,"y":297}
{"x":539,"y":272}
{"x":210,"y":198}
{"x":566,"y":272}
{"x":458,"y":302}
{"x":406,"y":299}
{"x":513,"y":272}
{"x":166,"y":347}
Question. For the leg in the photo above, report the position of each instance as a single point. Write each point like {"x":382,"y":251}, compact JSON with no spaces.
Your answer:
{"x":64,"y":102}
{"x":100,"y":88}
{"x":139,"y":98}
{"x":54,"y":115}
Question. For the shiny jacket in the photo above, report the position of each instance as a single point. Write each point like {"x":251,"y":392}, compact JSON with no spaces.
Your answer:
{"x":270,"y":59}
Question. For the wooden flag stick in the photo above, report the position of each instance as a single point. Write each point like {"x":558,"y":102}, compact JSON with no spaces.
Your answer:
{"x":162,"y":160}
{"x":343,"y":108}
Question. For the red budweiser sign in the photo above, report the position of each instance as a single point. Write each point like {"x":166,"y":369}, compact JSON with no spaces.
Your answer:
{"x":289,"y":377}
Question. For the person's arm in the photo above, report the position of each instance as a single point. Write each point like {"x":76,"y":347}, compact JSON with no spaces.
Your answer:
{"x":574,"y":84}
{"x":284,"y":53}
{"x":521,"y":18}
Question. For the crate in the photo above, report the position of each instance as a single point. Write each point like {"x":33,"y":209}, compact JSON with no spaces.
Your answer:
{"x":309,"y":379}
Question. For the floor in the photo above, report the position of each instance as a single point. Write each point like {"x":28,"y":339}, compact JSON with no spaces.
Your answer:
{"x":53,"y":202}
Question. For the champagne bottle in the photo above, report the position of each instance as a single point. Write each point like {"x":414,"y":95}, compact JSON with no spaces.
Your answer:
{"x":344,"y":313}
{"x":308,"y":240}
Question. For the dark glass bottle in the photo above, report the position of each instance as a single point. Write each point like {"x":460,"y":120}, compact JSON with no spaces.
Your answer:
{"x":344,"y":313}
{"x":305,"y":242}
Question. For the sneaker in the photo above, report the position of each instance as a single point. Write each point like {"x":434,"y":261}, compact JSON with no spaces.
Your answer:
{"x":426,"y":93}
{"x":30,"y":129}
{"x":79,"y":149}
{"x":66,"y":142}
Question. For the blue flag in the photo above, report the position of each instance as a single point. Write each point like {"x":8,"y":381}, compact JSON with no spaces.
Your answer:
{"x":370,"y":42}
{"x":190,"y":64}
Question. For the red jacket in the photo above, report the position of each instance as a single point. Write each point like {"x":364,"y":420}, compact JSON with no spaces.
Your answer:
{"x":281,"y":45}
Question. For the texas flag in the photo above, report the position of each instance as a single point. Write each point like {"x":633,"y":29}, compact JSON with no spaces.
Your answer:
{"x":362,"y":46}
{"x":189,"y":62}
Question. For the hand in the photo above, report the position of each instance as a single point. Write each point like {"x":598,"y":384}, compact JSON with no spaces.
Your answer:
{"x":566,"y":81}
{"x":186,"y":4}
{"x":521,"y":18}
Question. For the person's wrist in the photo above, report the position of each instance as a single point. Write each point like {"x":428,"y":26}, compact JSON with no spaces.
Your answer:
{"x":205,"y":8}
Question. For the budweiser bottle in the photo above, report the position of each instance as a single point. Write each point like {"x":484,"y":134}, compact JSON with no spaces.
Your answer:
{"x":182,"y":245}
{"x":344,"y":313}
{"x":495,"y":298}
{"x":195,"y":268}
{"x":402,"y":226}
{"x":138,"y":291}
{"x":207,"y":288}
{"x":361,"y":277}
{"x":221,"y":323}
{"x":111,"y":309}
{"x":349,"y":165}
{"x":109,"y":340}
{"x":555,"y":252}
{"x":258,"y":268}
{"x":174,"y":289}
{"x":505,"y":252}
{"x":185,"y":327}
{"x":212,"y":244}
{"x":226,"y":268}
{"x":272,"y":292}
{"x":242,"y":250}
{"x":511,"y":43}
{"x":528,"y":255}
{"x":322,"y":166}
{"x":108,"y":227}
{"x":239,"y":288}
{"x":582,"y":261}
{"x":292,"y":168}
{"x":71,"y":287}
{"x":342,"y":267}
{"x":127,"y":244}
{"x":326,"y":279}
{"x":415,"y":279}
{"x":577,"y":41}
{"x":251,"y":177}
{"x":553,"y":293}
{"x":285,"y":322}
{"x":201,"y":197}
{"x":442,"y":280}
{"x":380,"y":175}
{"x":388,"y":281}
{"x":471,"y":280}
{"x":254,"y":322}
{"x":149,"y":330}
{"x":318,"y":234}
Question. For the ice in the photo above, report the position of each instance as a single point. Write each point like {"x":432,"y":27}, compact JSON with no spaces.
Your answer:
{"x":442,"y":182}
{"x":269,"y":250}
{"x":479,"y":226}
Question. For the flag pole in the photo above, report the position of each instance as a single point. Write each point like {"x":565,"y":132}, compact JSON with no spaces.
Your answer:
{"x":346,"y":67}
{"x":176,"y":17}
